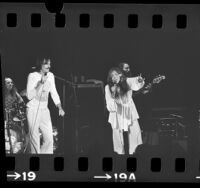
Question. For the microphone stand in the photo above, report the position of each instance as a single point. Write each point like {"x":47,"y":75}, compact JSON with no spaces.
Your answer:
{"x":8,"y":129}
{"x":66,"y":81}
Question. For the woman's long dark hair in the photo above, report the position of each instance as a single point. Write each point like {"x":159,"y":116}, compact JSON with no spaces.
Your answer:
{"x":122,"y":85}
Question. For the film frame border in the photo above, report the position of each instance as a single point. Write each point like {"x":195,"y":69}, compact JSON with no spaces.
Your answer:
{"x":178,"y":160}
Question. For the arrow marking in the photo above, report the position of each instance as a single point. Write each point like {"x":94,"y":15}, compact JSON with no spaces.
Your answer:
{"x":16,"y":175}
{"x":107,"y":176}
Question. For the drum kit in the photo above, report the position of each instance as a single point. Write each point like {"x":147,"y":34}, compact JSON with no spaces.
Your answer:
{"x":15,"y":129}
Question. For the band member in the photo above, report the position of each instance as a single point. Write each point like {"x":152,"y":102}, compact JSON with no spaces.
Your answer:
{"x":125,"y":68}
{"x":12,"y":97}
{"x":40,"y":83}
{"x":123,"y":115}
{"x":15,"y":136}
{"x":142,"y":101}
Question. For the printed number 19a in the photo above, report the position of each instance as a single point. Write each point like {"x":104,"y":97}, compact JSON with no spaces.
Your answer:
{"x":30,"y":176}
{"x":125,"y":177}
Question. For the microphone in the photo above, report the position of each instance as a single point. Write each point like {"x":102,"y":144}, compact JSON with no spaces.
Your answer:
{"x":45,"y":74}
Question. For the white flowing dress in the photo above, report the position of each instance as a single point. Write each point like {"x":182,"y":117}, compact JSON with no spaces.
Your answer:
{"x":123,"y":116}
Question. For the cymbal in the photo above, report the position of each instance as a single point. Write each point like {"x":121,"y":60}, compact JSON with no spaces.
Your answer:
{"x":16,"y":119}
{"x":9,"y":110}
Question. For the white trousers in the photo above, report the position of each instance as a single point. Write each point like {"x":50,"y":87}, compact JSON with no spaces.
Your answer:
{"x":40,"y":119}
{"x":134,"y":138}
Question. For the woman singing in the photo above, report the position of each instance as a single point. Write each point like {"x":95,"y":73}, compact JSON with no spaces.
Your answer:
{"x":123,"y":115}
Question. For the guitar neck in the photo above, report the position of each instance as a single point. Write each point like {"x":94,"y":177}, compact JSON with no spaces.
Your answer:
{"x":148,"y":86}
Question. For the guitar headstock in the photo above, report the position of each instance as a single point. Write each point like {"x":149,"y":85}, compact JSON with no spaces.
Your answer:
{"x":158,"y":79}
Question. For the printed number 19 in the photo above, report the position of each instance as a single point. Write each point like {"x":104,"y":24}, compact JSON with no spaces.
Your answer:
{"x":30,"y":176}
{"x":122,"y":176}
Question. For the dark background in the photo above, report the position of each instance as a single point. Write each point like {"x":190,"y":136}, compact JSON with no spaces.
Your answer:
{"x":93,"y":51}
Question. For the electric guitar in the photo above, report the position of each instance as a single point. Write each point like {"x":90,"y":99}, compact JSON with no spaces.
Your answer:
{"x":148,"y":87}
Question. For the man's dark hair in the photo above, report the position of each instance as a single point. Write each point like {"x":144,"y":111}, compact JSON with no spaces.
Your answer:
{"x":40,"y":62}
{"x":121,"y":66}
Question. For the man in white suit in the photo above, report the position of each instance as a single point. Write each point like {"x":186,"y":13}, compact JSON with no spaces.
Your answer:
{"x":40,"y":83}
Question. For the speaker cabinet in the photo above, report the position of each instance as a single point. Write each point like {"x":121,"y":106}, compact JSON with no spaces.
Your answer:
{"x":89,"y":118}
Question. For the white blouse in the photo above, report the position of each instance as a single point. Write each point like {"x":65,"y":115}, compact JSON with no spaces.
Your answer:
{"x":41,"y":95}
{"x":122,"y":111}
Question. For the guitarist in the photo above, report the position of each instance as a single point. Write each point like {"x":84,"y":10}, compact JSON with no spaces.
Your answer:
{"x":125,"y":68}
{"x":143,"y":102}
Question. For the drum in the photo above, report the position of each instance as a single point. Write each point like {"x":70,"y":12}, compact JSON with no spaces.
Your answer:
{"x":15,"y":138}
{"x":20,"y":117}
{"x":20,"y":112}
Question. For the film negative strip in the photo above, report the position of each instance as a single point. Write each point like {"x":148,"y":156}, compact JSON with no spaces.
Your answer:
{"x":100,"y":92}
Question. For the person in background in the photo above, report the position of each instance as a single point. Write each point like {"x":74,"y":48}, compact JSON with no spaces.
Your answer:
{"x":12,"y":98}
{"x":125,"y":68}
